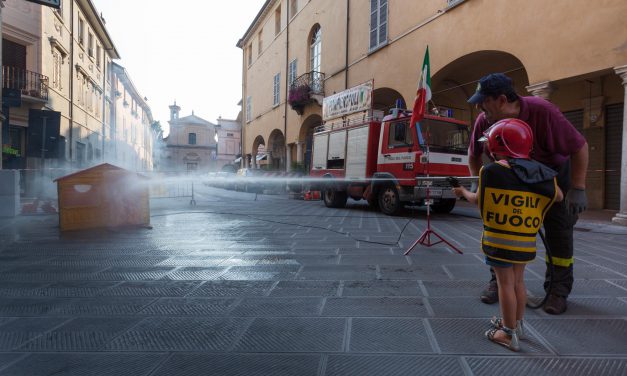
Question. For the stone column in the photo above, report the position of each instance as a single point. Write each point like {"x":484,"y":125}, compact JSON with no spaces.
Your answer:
{"x":541,"y":89}
{"x":621,"y":216}
{"x":299,"y":152}
{"x":288,"y":157}
{"x":253,"y":161}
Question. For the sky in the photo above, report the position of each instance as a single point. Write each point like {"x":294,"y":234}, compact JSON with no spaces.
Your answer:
{"x":183,"y":50}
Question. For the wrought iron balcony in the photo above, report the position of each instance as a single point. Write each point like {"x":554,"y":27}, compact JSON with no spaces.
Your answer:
{"x":28,"y":83}
{"x":304,"y":89}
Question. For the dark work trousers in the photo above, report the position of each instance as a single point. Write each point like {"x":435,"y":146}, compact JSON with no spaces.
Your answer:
{"x":558,"y":228}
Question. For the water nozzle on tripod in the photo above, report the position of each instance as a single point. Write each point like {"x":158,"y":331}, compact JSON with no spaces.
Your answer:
{"x":453,"y":181}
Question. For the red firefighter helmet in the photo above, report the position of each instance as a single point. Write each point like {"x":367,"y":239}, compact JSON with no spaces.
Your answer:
{"x":509,"y":137}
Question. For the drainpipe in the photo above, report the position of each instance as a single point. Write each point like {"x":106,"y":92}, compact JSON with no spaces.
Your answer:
{"x":104,"y":101}
{"x":287,"y":89}
{"x":348,"y":8}
{"x":4,"y":122}
{"x":242,"y":143}
{"x":71,"y":112}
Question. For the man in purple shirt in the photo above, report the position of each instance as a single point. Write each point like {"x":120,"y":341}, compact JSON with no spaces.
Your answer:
{"x":558,"y":145}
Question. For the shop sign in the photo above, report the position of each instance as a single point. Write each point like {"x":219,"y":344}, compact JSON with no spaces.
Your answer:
{"x":349,"y":101}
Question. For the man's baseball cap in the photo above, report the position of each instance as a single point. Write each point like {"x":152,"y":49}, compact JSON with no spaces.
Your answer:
{"x":492,"y":85}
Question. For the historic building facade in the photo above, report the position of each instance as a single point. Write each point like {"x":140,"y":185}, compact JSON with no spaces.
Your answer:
{"x":191,"y":145}
{"x":295,"y":52}
{"x":60,"y":61}
{"x":130,"y":140}
{"x":229,"y":134}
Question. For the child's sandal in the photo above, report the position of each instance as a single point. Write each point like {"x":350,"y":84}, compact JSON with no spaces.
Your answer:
{"x":497,"y":323}
{"x":513,"y":343}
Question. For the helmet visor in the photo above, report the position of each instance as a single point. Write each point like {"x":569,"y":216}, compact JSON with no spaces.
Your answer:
{"x":486,"y":134}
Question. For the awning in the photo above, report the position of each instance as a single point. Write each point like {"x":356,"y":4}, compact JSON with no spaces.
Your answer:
{"x":237,"y":160}
{"x":262,"y":157}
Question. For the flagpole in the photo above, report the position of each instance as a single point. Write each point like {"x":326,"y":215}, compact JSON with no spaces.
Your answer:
{"x":423,"y":96}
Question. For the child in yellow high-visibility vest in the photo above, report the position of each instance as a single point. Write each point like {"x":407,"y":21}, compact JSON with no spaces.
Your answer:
{"x":514,"y":193}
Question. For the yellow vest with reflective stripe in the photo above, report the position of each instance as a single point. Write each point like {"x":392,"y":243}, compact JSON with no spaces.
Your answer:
{"x":512,"y":213}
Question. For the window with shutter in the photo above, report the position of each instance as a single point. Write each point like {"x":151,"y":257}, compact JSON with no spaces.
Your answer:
{"x":292,"y":72}
{"x":378,"y":23}
{"x":276,"y":89}
{"x":249,"y":109}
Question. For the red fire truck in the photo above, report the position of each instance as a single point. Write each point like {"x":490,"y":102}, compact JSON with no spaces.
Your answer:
{"x":389,"y":163}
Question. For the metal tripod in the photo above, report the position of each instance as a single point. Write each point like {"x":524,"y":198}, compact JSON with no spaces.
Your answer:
{"x":425,"y":238}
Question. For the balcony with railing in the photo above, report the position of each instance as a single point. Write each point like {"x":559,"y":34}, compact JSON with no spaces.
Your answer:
{"x":305,"y":89}
{"x":29,"y":83}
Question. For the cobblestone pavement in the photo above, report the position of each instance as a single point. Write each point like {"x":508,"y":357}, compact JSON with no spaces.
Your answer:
{"x":271,"y":286}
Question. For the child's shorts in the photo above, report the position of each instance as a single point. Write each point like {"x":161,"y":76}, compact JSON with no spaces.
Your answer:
{"x":498,"y":263}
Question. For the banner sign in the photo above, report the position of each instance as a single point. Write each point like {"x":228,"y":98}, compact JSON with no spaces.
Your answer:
{"x":49,"y":3}
{"x":355,"y":99}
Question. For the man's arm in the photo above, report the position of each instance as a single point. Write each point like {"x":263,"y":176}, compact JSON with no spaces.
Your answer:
{"x":474,"y":164}
{"x":468,"y":195}
{"x":578,"y":167}
{"x":576,"y":199}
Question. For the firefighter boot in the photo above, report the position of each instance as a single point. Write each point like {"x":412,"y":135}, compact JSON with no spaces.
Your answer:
{"x":555,"y":305}
{"x":490,"y":294}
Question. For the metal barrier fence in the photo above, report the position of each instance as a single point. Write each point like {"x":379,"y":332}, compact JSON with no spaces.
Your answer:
{"x":165,"y":185}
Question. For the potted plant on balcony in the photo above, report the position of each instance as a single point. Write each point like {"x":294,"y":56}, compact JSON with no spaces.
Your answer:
{"x":298,"y":97}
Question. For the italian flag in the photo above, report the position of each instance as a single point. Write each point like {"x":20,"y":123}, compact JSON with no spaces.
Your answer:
{"x":423,"y":94}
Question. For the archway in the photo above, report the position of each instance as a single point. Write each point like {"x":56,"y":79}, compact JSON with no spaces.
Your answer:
{"x":276,"y":150}
{"x":305,"y":141}
{"x":258,"y":145}
{"x":453,"y":84}
{"x":384,"y":99}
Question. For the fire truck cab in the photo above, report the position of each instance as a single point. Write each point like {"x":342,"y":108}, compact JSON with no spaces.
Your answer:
{"x":383,"y":160}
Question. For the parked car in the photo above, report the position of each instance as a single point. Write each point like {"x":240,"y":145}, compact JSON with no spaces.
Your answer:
{"x":247,"y":181}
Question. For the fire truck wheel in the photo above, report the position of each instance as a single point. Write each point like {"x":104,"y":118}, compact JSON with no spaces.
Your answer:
{"x":389,"y":202}
{"x":374,"y":202}
{"x":444,"y":206}
{"x":334,"y":199}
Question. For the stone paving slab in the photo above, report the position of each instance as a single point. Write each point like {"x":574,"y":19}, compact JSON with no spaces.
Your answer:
{"x":306,"y":288}
{"x":18,"y":331}
{"x":338,"y":272}
{"x":179,"y":334}
{"x":240,"y":364}
{"x":81,"y":334}
{"x":293,"y":335}
{"x":81,"y":364}
{"x":575,"y":336}
{"x":381,"y":288}
{"x":415,"y":272}
{"x":389,"y":335}
{"x":292,"y":306}
{"x":547,"y":366}
{"x":285,"y":287}
{"x":195,"y":307}
{"x":376,"y":306}
{"x":232,"y":288}
{"x":398,"y":365}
